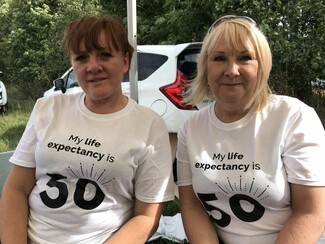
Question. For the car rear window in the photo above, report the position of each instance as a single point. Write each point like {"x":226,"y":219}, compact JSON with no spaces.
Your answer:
{"x":187,"y":62}
{"x":148,"y":63}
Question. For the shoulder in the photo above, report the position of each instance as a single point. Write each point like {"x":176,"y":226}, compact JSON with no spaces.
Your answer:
{"x":286,"y":102}
{"x":58,"y":99}
{"x":289,"y":106}
{"x":199,"y":119}
{"x":142,"y":110}
{"x":201,"y":116}
{"x":290,"y":110}
{"x":144,"y":115}
{"x":55,"y":104}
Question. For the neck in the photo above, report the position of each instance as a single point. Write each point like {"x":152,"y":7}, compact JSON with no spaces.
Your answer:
{"x":229,"y":115}
{"x":106,"y":106}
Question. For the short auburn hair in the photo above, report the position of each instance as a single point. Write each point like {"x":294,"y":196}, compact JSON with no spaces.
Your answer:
{"x":87,"y":30}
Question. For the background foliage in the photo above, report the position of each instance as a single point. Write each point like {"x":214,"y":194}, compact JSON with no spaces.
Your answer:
{"x":31,"y":33}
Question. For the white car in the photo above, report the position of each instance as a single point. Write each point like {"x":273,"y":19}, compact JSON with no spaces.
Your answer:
{"x":3,"y":97}
{"x":163,"y":72}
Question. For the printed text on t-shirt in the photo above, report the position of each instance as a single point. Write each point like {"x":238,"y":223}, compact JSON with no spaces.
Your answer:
{"x":82,"y":151}
{"x":227,"y":166}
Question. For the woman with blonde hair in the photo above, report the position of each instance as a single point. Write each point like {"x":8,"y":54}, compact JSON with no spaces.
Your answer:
{"x":251,"y":164}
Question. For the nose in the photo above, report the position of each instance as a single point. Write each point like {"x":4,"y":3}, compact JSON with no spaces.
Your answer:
{"x":94,"y":64}
{"x":232,"y":69}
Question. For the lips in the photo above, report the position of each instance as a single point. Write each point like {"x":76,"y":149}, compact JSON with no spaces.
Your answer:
{"x":96,"y":79}
{"x":231,"y":84}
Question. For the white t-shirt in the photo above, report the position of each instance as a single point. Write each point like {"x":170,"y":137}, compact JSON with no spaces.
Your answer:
{"x":241,"y":171}
{"x":91,"y":167}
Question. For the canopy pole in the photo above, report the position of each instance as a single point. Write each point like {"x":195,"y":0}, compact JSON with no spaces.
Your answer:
{"x":132,"y":37}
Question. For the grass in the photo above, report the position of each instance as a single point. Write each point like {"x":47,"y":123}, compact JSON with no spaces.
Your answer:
{"x":12,"y":124}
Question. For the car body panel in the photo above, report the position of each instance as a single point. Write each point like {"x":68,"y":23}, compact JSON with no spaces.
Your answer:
{"x":3,"y":97}
{"x":3,"y":94}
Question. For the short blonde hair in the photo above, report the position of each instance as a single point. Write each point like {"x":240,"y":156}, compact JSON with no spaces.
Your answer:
{"x":233,"y":29}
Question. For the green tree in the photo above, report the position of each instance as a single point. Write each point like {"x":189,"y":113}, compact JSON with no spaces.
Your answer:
{"x":295,"y":29}
{"x":32,"y":42}
{"x":297,"y":35}
{"x":31,"y":33}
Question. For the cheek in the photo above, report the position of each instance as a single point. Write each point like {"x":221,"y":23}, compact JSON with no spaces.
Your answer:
{"x":253,"y":79}
{"x":79,"y":73}
{"x":253,"y":69}
{"x":76,"y":70}
{"x":213,"y":74}
{"x":75,"y":66}
{"x":210,"y":71}
{"x":250,"y":73}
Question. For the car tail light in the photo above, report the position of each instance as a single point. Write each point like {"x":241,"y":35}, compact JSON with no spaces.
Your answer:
{"x":174,"y":91}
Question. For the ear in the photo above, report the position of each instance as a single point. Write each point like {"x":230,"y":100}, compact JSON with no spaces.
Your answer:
{"x":71,"y":59}
{"x":126,"y":59}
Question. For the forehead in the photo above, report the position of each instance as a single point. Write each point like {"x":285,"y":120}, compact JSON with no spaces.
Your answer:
{"x":239,"y":45}
{"x":231,"y":35}
{"x":102,"y":41}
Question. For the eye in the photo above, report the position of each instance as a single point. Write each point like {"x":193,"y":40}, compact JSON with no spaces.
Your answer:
{"x":246,"y":57}
{"x":219,"y":58}
{"x":105,"y":55}
{"x":81,"y":57}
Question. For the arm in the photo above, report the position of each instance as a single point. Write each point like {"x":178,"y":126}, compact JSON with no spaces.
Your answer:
{"x":307,"y":222}
{"x":14,"y":205}
{"x":197,"y":224}
{"x":141,"y":227}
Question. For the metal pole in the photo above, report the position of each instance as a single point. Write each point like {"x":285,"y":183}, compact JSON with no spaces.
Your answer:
{"x":132,"y":37}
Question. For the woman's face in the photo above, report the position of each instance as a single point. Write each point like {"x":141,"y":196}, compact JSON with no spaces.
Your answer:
{"x":232,"y":75}
{"x":100,"y":72}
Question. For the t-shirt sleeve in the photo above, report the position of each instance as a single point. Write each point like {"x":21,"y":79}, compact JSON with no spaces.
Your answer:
{"x":154,"y":177}
{"x":24,"y":154}
{"x":184,"y":173}
{"x":304,"y":148}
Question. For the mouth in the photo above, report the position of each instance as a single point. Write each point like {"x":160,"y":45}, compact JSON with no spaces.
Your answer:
{"x":96,"y":79}
{"x":231,"y":84}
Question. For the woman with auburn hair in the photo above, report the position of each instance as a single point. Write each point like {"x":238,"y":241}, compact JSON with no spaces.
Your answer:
{"x":93,"y":167}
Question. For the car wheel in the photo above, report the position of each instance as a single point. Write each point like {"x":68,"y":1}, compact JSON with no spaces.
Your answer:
{"x":4,"y":109}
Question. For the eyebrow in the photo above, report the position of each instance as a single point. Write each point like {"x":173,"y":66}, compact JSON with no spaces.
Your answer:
{"x":241,"y":52}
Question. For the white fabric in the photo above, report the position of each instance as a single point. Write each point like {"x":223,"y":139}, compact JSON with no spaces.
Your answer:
{"x":90,"y":167}
{"x":241,"y":171}
{"x":170,"y":228}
